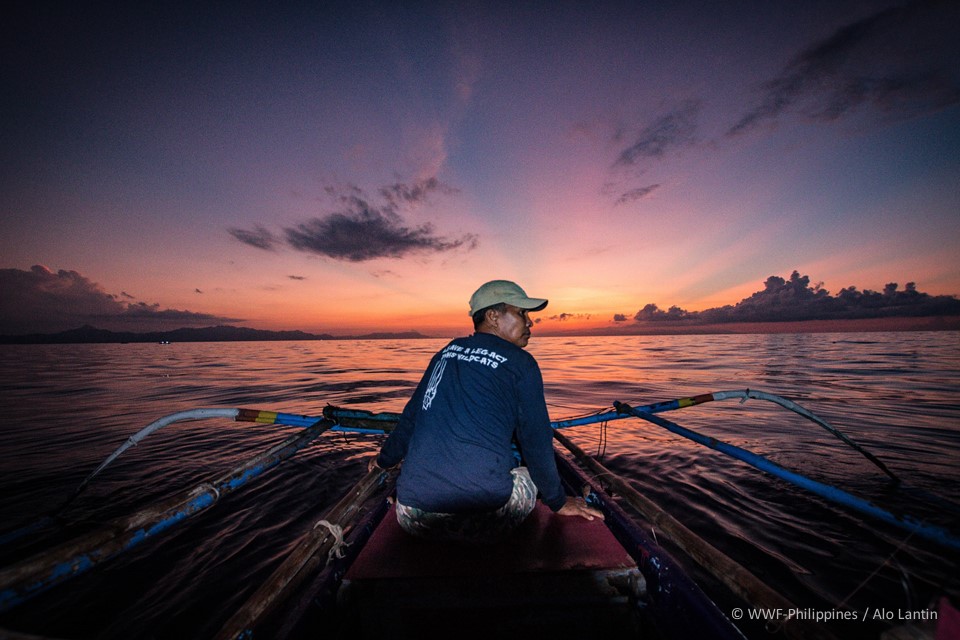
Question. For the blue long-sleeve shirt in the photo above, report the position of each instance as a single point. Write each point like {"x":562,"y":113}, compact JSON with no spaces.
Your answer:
{"x":455,"y":433}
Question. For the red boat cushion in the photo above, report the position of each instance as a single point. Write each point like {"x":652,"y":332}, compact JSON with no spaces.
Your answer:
{"x":544,"y":542}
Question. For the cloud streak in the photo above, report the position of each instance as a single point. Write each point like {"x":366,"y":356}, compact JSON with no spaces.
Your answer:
{"x":416,"y":194}
{"x":901,"y":60}
{"x":258,"y":238}
{"x":41,"y":301}
{"x":363,"y":230}
{"x":675,"y":130}
{"x":563,"y":317}
{"x":636,"y":194}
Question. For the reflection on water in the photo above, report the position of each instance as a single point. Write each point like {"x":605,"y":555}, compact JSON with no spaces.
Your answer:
{"x":67,"y":407}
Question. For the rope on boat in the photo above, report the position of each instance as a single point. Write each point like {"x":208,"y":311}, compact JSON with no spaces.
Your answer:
{"x":32,"y":576}
{"x":909,"y":523}
{"x":336,"y":551}
{"x":304,"y":559}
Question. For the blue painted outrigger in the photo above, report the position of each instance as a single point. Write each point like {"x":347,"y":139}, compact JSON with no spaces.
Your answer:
{"x":345,"y":575}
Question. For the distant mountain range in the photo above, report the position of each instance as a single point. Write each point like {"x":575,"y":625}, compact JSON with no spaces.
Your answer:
{"x":88,"y":334}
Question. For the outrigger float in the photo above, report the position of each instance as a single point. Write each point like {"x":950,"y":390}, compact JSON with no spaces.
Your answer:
{"x":355,"y":574}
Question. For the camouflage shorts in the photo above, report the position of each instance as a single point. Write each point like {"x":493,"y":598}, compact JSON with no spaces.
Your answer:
{"x":475,"y":528}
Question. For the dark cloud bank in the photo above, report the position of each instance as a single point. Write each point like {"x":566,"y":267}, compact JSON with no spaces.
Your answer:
{"x":792,"y":300}
{"x":41,"y":301}
{"x":361,"y":229}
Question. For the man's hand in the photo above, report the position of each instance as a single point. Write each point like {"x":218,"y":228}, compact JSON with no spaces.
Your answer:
{"x":373,"y":464}
{"x":579,"y":507}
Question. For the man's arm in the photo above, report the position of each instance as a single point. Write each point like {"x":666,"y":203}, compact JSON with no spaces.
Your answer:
{"x":394,"y":449}
{"x":536,"y":439}
{"x":535,"y":436}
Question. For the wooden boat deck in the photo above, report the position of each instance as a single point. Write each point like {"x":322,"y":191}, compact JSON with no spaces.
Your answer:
{"x":566,"y":577}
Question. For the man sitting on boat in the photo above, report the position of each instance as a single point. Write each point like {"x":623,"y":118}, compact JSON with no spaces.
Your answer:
{"x":460,"y":478}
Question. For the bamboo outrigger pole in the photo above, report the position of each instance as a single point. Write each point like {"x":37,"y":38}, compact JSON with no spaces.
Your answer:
{"x":359,"y":421}
{"x":744,"y":395}
{"x":735,"y":577}
{"x":839,"y":496}
{"x":34,"y":575}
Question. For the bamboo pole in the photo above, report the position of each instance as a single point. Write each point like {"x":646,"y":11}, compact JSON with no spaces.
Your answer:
{"x":826,"y":491}
{"x":735,"y":577}
{"x":34,"y":575}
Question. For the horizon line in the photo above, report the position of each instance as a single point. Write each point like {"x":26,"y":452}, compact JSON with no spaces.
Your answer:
{"x":638,"y":328}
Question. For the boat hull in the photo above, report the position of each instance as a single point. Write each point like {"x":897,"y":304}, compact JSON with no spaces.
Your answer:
{"x":555,"y":577}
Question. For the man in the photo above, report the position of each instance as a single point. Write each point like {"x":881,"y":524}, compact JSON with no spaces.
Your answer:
{"x":460,"y":478}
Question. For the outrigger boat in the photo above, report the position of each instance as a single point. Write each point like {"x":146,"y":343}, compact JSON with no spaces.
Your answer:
{"x":356,"y":574}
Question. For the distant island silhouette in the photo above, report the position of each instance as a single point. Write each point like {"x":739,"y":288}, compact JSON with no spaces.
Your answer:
{"x":88,"y":334}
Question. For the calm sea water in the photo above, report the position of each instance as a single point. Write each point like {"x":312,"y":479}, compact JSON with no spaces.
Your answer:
{"x":65,"y":408}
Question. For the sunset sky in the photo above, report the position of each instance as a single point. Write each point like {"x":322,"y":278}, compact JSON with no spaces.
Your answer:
{"x":358,"y":166}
